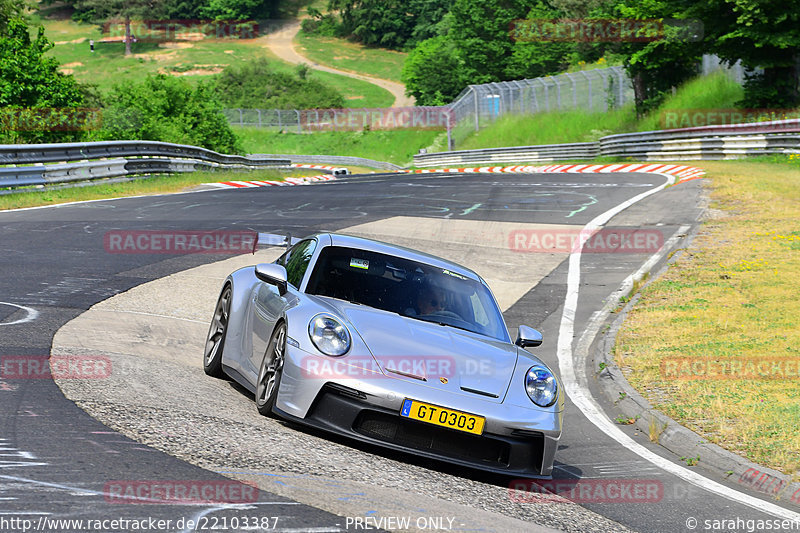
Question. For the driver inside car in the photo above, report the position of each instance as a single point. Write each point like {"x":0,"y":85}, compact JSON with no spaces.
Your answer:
{"x":430,"y":299}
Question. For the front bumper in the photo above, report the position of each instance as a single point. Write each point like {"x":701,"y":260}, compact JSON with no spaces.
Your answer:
{"x":516,"y":441}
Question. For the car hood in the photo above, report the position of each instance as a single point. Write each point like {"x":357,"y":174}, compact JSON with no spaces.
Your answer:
{"x":443,"y":357}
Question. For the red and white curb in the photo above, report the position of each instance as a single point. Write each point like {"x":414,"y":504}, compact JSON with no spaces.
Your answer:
{"x":315,"y":167}
{"x":286,"y":181}
{"x":266,"y":183}
{"x":684,"y":173}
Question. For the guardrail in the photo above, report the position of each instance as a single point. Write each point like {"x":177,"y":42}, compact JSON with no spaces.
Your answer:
{"x":707,"y":142}
{"x":335,"y":160}
{"x":550,"y":152}
{"x":48,"y":153}
{"x":110,"y":168}
{"x":112,"y":159}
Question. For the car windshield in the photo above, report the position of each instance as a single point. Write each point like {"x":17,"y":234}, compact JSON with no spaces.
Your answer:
{"x":409,"y":288}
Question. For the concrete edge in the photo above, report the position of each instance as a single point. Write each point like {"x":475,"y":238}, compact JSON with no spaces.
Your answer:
{"x":676,"y":438}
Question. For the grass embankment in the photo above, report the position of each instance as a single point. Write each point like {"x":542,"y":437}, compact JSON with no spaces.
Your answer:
{"x":731,"y":297}
{"x":194,"y":60}
{"x":395,"y":146}
{"x":716,"y":91}
{"x":345,"y":55}
{"x":154,"y":185}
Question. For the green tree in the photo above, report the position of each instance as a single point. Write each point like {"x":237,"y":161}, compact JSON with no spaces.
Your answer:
{"x":760,"y":33}
{"x":237,"y":9}
{"x":480,"y":32}
{"x":30,"y":81}
{"x":396,"y":24}
{"x":433,"y":72}
{"x":662,"y":61}
{"x":164,"y":108}
{"x":106,"y":10}
{"x":532,"y":58}
{"x":387,"y":23}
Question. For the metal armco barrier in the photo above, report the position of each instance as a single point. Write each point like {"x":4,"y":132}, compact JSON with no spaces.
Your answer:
{"x":113,"y":159}
{"x":49,"y":153}
{"x":707,"y":142}
{"x":521,"y":154}
{"x":334,"y":160}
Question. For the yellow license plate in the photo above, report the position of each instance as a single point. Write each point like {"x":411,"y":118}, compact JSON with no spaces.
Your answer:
{"x":440,"y":416}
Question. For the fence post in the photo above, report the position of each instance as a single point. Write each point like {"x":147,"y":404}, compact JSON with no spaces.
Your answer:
{"x":299,"y":125}
{"x":450,"y":145}
{"x":589,"y":83}
{"x":477,"y":110}
{"x":241,"y":118}
{"x":546,"y":96}
{"x":558,"y":92}
{"x":605,"y":77}
{"x":574,"y":91}
{"x":259,"y":118}
{"x":521,"y":97}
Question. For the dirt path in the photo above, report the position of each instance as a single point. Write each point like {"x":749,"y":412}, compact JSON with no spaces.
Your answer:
{"x":280,"y":43}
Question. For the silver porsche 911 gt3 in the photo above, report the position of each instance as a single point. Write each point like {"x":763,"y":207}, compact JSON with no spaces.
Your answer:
{"x":389,"y":346}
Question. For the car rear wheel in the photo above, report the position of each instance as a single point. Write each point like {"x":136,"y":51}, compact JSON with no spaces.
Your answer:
{"x":269,"y":374}
{"x":212,"y":358}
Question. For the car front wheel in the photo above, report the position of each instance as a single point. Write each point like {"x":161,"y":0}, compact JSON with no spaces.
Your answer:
{"x":215,"y":341}
{"x":269,"y":374}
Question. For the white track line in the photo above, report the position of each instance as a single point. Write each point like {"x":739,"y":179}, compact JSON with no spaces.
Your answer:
{"x":32,"y":314}
{"x":594,"y":413}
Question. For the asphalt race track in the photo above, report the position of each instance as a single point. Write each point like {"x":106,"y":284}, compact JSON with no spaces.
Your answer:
{"x":58,"y":462}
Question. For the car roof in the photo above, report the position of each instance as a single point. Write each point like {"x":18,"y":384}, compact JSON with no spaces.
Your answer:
{"x":362,"y":243}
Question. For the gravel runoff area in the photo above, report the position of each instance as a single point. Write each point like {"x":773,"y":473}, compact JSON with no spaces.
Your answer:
{"x":158,"y":395}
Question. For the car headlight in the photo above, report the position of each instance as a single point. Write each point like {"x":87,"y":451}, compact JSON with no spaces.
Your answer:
{"x":329,"y":335}
{"x":541,"y":386}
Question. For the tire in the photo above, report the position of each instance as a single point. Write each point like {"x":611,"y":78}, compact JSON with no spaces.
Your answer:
{"x":270,"y":370}
{"x":215,"y":341}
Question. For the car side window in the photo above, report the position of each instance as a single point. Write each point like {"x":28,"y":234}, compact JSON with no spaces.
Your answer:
{"x":296,"y":261}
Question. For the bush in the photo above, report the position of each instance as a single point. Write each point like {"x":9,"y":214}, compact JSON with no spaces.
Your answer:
{"x":256,"y":85}
{"x":163,"y":108}
{"x":319,"y":24}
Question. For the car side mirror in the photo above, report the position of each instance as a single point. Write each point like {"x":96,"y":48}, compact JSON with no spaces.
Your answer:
{"x":527,"y":336}
{"x":273,"y":274}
